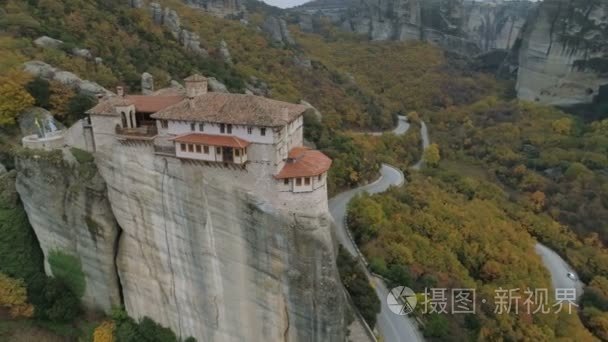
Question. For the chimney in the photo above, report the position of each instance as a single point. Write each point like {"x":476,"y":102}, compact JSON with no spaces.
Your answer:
{"x":120,"y":91}
{"x":196,"y":85}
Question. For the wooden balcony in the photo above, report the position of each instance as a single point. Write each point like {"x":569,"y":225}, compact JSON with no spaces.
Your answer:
{"x":137,"y":133}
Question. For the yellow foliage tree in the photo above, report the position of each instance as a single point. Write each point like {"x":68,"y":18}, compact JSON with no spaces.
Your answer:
{"x":13,"y":97}
{"x":562,"y":126}
{"x":104,"y":332}
{"x":431,"y":155}
{"x":538,"y":199}
{"x":13,"y":295}
{"x":60,"y":98}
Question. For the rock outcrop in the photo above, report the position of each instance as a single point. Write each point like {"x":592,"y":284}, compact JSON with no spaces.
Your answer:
{"x":65,"y":200}
{"x":48,"y":72}
{"x":563,"y":58}
{"x":277,"y":29}
{"x":147,"y":83}
{"x":220,"y":8}
{"x":467,"y":27}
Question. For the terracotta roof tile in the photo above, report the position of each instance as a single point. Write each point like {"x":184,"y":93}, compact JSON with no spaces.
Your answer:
{"x":233,"y":109}
{"x":304,"y":162}
{"x":143,"y":103}
{"x":213,"y":140}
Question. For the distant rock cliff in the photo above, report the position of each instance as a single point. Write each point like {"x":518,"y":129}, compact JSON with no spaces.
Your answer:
{"x":184,"y":244}
{"x":466,"y":27}
{"x":563,"y":59}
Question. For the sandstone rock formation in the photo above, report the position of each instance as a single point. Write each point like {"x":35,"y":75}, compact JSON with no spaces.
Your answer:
{"x":208,"y":259}
{"x":48,"y":72}
{"x":66,"y":204}
{"x":563,"y":59}
{"x":193,"y":248}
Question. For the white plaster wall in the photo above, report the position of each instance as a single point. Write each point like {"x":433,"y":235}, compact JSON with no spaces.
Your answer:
{"x":51,"y":143}
{"x":183,"y":127}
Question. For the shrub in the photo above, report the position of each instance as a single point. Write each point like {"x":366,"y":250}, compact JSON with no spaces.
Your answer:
{"x":13,"y":295}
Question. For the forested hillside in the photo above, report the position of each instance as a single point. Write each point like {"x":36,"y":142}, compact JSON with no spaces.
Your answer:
{"x":502,"y":174}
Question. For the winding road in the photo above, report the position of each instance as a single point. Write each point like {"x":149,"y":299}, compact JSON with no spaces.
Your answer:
{"x":402,"y":328}
{"x":392,"y":327}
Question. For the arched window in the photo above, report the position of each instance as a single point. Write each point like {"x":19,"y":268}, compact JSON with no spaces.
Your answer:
{"x":132,"y":118}
{"x":123,"y":117}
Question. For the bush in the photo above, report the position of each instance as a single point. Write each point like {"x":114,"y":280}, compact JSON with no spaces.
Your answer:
{"x":146,"y":330}
{"x":53,"y":299}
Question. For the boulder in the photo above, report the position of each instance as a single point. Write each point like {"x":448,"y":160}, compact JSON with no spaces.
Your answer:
{"x":217,"y":86}
{"x":136,"y":3}
{"x":172,"y":22}
{"x":84,"y":53}
{"x":147,"y":83}
{"x":301,"y":61}
{"x":48,"y":42}
{"x":48,"y":72}
{"x":156,"y":12}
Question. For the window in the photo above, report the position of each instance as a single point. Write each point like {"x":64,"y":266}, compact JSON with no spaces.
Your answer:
{"x":192,"y":126}
{"x":218,"y":150}
{"x":164,"y":124}
{"x":237,"y":152}
{"x":183,"y":147}
{"x":229,"y":129}
{"x":298,"y":181}
{"x":190,"y":148}
{"x":206,"y":149}
{"x":222,"y":128}
{"x":201,"y":127}
{"x":263,"y":131}
{"x":286,"y":181}
{"x":307,"y":181}
{"x":320,"y":177}
{"x":198,"y":148}
{"x":249,"y":130}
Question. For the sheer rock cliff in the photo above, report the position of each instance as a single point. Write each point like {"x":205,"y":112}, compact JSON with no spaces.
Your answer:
{"x":563,"y":58}
{"x":186,"y":245}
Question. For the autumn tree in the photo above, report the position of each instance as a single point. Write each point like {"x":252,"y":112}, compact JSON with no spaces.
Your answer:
{"x":104,"y":332}
{"x":13,"y":97}
{"x":432,"y":155}
{"x":13,"y":295}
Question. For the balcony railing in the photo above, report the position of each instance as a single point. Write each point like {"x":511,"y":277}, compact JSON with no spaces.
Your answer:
{"x":142,"y":133}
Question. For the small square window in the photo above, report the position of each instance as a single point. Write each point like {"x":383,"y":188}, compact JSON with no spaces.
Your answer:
{"x":190,"y":148}
{"x":183,"y":147}
{"x":218,"y":150}
{"x":206,"y":149}
{"x":263,"y":131}
{"x":198,"y":148}
{"x":237,"y":153}
{"x":164,"y":124}
{"x":307,"y":181}
{"x":222,"y":128}
{"x":298,"y":181}
{"x":201,"y":127}
{"x":286,"y":181}
{"x":192,"y":127}
{"x":229,"y":129}
{"x":249,"y":130}
{"x":320,"y":177}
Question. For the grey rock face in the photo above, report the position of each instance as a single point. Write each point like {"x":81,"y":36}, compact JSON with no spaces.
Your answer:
{"x":48,"y":72}
{"x":136,"y":3}
{"x":48,"y":42}
{"x":69,"y":211}
{"x":172,"y":22}
{"x":564,"y":53}
{"x":2,"y":169}
{"x":191,"y":41}
{"x":277,"y":29}
{"x":147,"y":83}
{"x":220,"y":8}
{"x":156,"y":11}
{"x":217,"y":86}
{"x":198,"y":254}
{"x":467,"y":27}
{"x":225,"y":52}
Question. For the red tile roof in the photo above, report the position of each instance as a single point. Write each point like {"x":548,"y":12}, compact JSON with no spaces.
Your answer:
{"x":143,"y":103}
{"x":304,"y":162}
{"x":213,"y":140}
